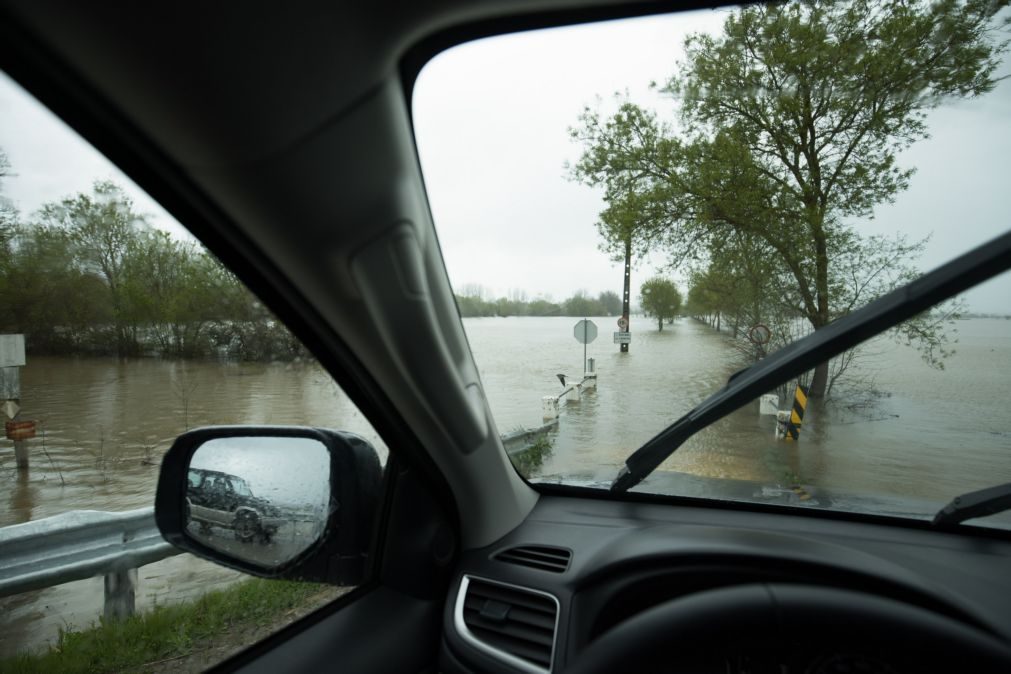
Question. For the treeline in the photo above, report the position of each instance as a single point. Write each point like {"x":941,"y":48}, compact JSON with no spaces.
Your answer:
{"x":580,"y":304}
{"x":89,"y":275}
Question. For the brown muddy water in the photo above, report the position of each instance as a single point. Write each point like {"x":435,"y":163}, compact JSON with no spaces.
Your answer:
{"x":905,"y":430}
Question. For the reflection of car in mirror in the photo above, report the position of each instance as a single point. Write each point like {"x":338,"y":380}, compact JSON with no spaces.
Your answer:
{"x":216,"y":499}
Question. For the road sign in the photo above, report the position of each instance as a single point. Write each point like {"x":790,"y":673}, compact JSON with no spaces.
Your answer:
{"x":10,"y":408}
{"x":585,"y":331}
{"x":622,"y":323}
{"x":12,"y":350}
{"x":623,"y":338}
{"x":759,"y":335}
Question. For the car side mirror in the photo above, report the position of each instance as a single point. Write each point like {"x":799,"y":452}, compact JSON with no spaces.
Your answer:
{"x":272,"y":501}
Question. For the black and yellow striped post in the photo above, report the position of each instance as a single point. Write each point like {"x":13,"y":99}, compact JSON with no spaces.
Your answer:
{"x":797,"y":414}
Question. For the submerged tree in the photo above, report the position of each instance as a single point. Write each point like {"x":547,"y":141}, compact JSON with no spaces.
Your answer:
{"x":791,"y":122}
{"x":660,"y":299}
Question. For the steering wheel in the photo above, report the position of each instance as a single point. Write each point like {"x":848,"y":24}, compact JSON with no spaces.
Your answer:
{"x":715,"y":620}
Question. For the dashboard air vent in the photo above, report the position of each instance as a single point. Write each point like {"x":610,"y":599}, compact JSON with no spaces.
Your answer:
{"x":538,"y":557}
{"x":514,"y":624}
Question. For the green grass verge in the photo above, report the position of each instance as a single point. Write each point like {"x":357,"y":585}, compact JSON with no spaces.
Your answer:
{"x":166,"y":631}
{"x":529,"y":461}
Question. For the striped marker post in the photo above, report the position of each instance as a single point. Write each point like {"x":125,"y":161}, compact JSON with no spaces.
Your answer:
{"x":797,"y":414}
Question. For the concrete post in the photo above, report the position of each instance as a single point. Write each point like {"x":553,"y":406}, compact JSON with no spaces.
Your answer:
{"x":549,"y":407}
{"x":120,"y":589}
{"x":575,"y":393}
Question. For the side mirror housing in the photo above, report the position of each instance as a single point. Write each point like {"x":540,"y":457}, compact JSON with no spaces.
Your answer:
{"x":272,"y":501}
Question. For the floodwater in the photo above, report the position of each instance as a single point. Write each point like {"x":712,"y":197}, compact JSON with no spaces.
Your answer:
{"x":105,"y":423}
{"x":900,"y":428}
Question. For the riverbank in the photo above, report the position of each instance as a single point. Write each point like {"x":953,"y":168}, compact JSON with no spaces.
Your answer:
{"x":186,"y":637}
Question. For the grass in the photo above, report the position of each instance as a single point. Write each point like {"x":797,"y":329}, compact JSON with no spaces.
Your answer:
{"x":167,"y":632}
{"x":530,"y":459}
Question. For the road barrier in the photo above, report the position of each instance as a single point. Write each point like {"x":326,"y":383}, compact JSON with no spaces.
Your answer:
{"x":82,"y":544}
{"x":86,"y":543}
{"x":520,"y":441}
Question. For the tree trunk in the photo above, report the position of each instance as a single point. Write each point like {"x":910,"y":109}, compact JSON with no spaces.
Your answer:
{"x":820,"y":381}
{"x":659,"y":323}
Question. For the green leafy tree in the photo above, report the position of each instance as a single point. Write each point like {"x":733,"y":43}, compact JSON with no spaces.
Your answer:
{"x":59,"y":306}
{"x":103,"y":229}
{"x":659,"y":298}
{"x":791,"y":123}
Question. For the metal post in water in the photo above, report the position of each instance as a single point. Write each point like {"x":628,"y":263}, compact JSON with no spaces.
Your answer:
{"x":586,"y":327}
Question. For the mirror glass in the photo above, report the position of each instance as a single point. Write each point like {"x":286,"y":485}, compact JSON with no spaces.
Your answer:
{"x":262,"y":500}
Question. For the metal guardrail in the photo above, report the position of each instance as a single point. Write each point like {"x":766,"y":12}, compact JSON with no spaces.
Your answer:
{"x":86,"y":543}
{"x":82,"y":544}
{"x":518,"y":442}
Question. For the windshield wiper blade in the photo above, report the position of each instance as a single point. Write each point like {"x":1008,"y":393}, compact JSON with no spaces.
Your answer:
{"x":989,"y":501}
{"x":946,"y":281}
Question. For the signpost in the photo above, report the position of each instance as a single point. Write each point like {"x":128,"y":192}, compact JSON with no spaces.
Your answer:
{"x":584,"y":331}
{"x":623,"y":338}
{"x":759,"y":335}
{"x":12,"y":359}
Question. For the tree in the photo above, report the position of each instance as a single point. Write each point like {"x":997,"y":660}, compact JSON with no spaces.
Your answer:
{"x":581,"y":304}
{"x":103,"y":229}
{"x":792,"y":120}
{"x":8,"y":222}
{"x":660,"y":299}
{"x":610,"y":302}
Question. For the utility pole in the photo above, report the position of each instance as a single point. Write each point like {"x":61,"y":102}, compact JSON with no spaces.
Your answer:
{"x":628,"y":289}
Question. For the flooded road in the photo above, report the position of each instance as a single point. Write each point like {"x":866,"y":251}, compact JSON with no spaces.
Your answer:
{"x":105,"y":424}
{"x":899,"y":428}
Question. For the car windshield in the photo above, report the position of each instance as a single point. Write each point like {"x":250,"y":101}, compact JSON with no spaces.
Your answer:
{"x":632,"y":211}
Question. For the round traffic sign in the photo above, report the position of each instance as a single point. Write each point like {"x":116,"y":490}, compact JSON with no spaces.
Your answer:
{"x":759,"y":335}
{"x":585,"y":331}
{"x":622,"y":322}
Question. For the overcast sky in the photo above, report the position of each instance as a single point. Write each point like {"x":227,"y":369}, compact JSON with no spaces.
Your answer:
{"x":491,"y":119}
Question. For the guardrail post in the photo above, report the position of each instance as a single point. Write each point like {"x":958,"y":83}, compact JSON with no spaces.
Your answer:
{"x":119,"y":594}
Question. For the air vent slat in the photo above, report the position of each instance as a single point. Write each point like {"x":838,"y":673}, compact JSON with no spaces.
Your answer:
{"x":525,"y":633}
{"x":517,"y":647}
{"x":508,"y":621}
{"x":534,"y":602}
{"x":540,"y":557}
{"x":539,"y":619}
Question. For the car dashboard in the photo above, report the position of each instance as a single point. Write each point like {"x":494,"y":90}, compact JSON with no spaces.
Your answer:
{"x":535,"y":600}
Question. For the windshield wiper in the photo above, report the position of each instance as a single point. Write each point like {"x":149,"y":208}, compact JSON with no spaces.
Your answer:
{"x":989,"y":501}
{"x":948,"y":280}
